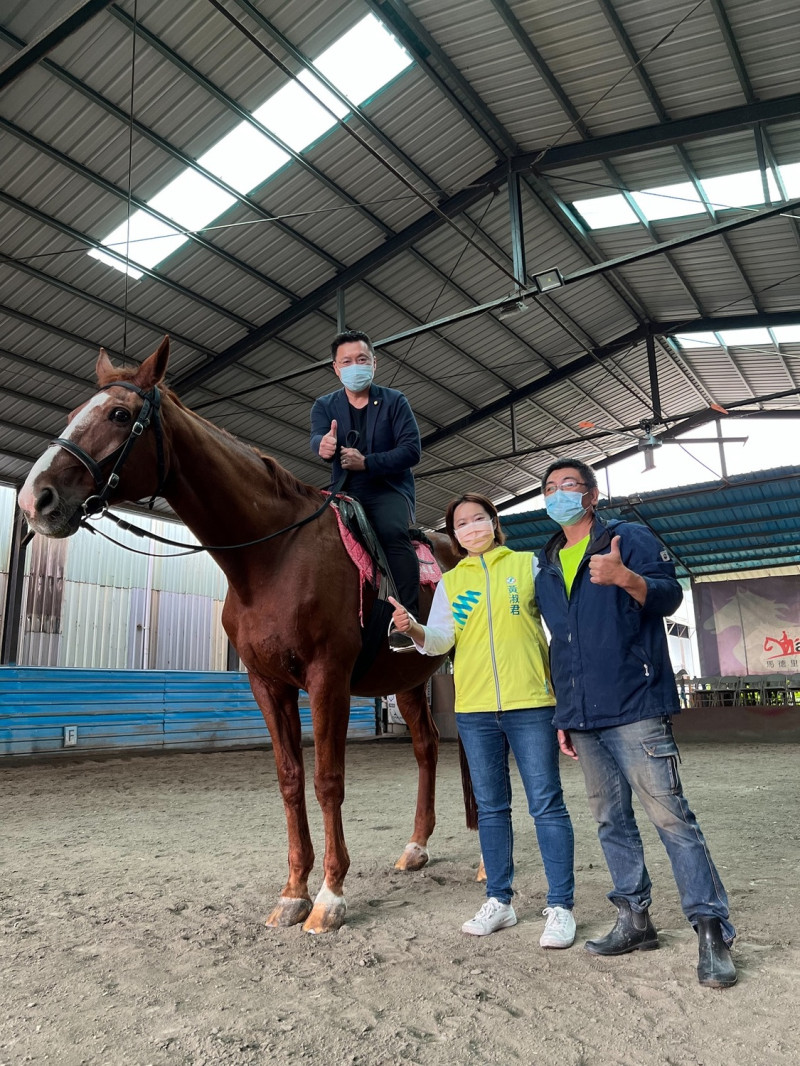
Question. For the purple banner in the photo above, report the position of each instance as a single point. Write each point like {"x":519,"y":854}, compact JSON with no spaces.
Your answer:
{"x":748,"y":627}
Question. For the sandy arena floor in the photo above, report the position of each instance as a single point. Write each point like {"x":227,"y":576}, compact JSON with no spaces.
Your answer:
{"x":133,"y":893}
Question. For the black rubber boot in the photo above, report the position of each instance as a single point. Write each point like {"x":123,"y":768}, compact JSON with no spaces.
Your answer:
{"x":715,"y":968}
{"x":633,"y":932}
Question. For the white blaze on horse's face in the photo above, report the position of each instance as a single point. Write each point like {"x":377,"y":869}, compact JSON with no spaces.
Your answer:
{"x":49,"y":499}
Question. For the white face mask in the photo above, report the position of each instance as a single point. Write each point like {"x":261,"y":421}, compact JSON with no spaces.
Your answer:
{"x":476,"y":536}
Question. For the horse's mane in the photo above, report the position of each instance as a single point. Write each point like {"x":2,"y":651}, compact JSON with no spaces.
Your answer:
{"x":286,"y":484}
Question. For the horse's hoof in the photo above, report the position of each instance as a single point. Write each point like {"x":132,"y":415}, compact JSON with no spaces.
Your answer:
{"x":289,"y":912}
{"x":414,"y":857}
{"x":327,"y":914}
{"x":481,"y":874}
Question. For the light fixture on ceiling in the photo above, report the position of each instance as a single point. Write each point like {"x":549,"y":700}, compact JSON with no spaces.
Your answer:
{"x":549,"y":280}
{"x":512,"y":309}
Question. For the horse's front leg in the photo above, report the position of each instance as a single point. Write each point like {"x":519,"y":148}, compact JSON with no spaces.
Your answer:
{"x":330,"y":708}
{"x":415,"y":710}
{"x":278,"y":704}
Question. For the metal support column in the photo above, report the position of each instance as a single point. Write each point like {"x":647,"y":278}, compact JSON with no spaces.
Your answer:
{"x":652,"y":366}
{"x":12,"y":609}
{"x":723,"y":466}
{"x":517,"y":235}
{"x":341,"y":322}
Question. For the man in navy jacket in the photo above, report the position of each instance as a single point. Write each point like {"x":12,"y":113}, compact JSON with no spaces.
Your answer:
{"x":604,"y":590}
{"x":370,"y":434}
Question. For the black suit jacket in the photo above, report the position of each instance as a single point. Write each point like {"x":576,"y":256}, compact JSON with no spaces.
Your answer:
{"x":392,"y":446}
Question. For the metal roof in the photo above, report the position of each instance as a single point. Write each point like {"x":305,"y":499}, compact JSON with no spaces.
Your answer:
{"x":449,"y":190}
{"x":748,"y":525}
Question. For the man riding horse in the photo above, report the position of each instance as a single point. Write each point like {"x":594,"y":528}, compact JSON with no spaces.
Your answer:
{"x":370,"y":437}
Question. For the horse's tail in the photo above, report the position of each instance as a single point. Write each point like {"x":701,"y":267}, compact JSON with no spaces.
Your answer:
{"x":470,"y":806}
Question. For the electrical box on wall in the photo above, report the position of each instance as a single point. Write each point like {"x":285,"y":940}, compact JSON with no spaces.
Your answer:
{"x":70,"y":736}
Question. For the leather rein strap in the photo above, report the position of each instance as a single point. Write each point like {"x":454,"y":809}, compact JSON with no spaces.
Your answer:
{"x":97,"y":505}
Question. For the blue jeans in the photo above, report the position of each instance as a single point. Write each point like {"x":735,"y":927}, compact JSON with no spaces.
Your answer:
{"x":487,"y":737}
{"x":642,"y":757}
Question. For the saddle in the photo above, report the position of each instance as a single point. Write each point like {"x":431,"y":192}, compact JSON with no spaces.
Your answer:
{"x":365,"y":550}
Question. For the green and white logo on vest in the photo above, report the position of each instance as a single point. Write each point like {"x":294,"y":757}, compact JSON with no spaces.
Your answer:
{"x":463,"y":604}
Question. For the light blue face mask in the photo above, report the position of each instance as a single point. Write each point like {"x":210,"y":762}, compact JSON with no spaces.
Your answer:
{"x":565,"y":507}
{"x":357,"y":376}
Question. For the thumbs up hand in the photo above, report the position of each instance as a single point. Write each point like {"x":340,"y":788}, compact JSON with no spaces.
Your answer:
{"x":327,"y":446}
{"x":400,"y":617}
{"x":609,"y":569}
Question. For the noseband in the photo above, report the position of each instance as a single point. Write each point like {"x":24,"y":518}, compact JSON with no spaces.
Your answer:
{"x":149,"y":412}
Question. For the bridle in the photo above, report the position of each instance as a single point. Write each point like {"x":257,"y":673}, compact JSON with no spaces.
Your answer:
{"x":150,"y":412}
{"x":97,"y":504}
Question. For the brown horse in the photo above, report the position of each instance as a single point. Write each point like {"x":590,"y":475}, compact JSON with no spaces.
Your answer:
{"x":292,"y":609}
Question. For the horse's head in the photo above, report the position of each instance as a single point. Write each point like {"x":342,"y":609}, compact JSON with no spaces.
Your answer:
{"x":86,"y":462}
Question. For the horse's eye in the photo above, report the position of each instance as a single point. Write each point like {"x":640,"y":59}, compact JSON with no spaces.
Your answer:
{"x":120,"y":415}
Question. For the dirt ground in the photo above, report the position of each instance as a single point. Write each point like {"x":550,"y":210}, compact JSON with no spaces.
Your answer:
{"x":133,"y":893}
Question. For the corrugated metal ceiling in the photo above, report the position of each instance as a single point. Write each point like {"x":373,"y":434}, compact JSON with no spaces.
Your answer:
{"x":748,"y":524}
{"x":491,"y":80}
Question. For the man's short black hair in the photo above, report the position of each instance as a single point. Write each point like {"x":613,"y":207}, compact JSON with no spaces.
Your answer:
{"x":587,"y":474}
{"x":348,"y":337}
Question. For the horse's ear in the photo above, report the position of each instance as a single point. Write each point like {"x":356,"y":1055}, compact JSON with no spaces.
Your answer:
{"x":153,"y":369}
{"x":104,"y":368}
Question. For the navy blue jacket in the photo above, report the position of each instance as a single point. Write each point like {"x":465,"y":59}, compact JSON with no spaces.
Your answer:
{"x":608,"y":654}
{"x":392,"y":446}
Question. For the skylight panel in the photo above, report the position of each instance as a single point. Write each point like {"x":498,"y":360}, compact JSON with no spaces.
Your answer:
{"x":739,"y":190}
{"x":669,"y":201}
{"x":787,"y":334}
{"x":603,"y":211}
{"x":363,"y":60}
{"x":697,"y":340}
{"x":150,"y":241}
{"x":737,"y":338}
{"x":192,"y":200}
{"x":243,"y":157}
{"x":360,"y":63}
{"x":294,"y":116}
{"x":791,"y":178}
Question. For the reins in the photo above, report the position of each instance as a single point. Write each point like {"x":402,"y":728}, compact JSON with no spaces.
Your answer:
{"x":96,"y":506}
{"x":129,"y":527}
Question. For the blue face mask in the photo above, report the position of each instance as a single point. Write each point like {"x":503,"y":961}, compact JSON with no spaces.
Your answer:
{"x":564,"y":507}
{"x":356,"y":377}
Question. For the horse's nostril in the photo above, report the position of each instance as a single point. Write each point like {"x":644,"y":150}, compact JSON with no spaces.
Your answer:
{"x":46,"y":501}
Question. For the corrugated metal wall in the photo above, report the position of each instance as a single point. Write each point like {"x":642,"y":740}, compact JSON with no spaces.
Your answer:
{"x":8,"y":507}
{"x":142,"y":710}
{"x":127,"y":648}
{"x":93,"y":604}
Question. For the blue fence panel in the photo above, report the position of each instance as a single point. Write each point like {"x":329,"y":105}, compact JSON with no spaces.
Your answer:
{"x":123,"y":710}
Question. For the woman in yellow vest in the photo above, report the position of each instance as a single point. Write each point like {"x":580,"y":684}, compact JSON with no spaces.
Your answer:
{"x":504,"y":700}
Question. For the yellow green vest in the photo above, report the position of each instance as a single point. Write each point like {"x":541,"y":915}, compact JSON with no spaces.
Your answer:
{"x":501,"y":660}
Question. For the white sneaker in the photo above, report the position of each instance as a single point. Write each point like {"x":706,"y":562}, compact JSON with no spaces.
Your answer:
{"x":559,"y":929}
{"x":492,"y":916}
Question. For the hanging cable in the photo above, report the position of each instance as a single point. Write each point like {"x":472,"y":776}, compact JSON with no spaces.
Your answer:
{"x":580,"y":119}
{"x":357,"y":136}
{"x":476,"y":226}
{"x":130,"y":179}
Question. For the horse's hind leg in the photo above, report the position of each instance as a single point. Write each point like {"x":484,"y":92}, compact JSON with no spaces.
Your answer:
{"x":279,"y":706}
{"x":415,"y":710}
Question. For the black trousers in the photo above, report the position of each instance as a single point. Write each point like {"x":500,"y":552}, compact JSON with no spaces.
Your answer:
{"x":389,"y":514}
